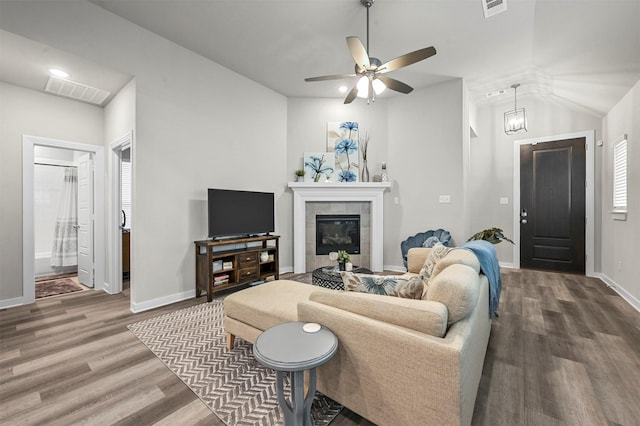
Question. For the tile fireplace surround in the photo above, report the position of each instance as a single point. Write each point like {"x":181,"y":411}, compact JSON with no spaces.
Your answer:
{"x":305,"y":192}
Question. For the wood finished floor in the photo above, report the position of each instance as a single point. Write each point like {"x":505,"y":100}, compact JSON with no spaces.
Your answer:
{"x":564,"y":351}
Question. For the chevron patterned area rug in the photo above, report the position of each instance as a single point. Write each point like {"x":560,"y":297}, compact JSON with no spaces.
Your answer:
{"x":240,"y":391}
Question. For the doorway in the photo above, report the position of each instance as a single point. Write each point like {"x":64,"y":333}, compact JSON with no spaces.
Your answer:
{"x":588,"y":160}
{"x":95,"y":253}
{"x":119,"y":229}
{"x":552,"y":205}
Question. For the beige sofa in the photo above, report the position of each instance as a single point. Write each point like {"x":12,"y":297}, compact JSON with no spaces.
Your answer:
{"x":392,"y":367}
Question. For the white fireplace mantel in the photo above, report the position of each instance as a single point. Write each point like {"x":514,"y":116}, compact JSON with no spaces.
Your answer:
{"x":304,"y":192}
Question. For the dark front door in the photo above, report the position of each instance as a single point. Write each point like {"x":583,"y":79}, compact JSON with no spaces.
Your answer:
{"x":552,"y":205}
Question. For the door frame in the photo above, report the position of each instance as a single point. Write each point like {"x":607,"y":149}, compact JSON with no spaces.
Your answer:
{"x":28,"y":242}
{"x":114,"y":232}
{"x":589,"y":240}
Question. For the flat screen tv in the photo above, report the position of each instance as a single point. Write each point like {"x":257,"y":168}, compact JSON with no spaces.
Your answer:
{"x":240,"y":213}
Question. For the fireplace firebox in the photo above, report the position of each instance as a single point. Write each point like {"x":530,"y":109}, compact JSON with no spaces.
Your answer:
{"x":338,"y":232}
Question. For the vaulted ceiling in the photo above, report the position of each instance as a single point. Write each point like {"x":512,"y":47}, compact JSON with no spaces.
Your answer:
{"x":584,"y":54}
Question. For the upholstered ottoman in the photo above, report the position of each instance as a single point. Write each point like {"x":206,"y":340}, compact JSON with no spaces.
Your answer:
{"x":249,"y":312}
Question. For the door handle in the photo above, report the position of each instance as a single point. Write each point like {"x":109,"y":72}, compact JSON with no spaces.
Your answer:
{"x":523,"y":221}
{"x":523,"y":213}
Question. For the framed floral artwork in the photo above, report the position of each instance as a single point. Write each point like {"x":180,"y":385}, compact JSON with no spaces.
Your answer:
{"x":319,"y":166}
{"x":342,"y":139}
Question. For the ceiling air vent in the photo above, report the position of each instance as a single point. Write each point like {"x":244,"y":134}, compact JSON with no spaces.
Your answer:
{"x":493,"y":7}
{"x":77,"y":91}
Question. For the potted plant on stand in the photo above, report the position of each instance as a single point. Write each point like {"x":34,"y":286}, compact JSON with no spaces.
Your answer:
{"x":492,"y":235}
{"x":344,"y":258}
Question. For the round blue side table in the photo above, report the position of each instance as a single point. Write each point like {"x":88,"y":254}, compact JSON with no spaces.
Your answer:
{"x":288,"y":348}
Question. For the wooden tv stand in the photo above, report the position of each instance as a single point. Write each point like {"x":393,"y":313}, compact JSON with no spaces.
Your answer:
{"x":216,"y":259}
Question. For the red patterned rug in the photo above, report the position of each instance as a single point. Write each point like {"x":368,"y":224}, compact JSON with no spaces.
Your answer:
{"x":53,"y":287}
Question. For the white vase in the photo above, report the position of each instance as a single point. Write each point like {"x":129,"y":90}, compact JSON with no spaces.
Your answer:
{"x":348,"y":266}
{"x":264,"y":256}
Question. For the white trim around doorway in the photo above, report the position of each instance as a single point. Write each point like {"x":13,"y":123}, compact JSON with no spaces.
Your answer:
{"x":589,"y":195}
{"x":28,"y":243}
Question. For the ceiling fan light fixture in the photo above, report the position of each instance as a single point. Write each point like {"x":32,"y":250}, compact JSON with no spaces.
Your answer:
{"x":369,"y":70}
{"x":378,"y":86}
{"x":515,"y":121}
{"x":363,"y":87}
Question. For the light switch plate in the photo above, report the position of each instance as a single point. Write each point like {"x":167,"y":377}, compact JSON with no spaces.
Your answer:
{"x":504,"y":200}
{"x":445,"y":198}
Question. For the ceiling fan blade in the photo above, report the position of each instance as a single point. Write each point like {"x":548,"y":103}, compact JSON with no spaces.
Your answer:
{"x":407,"y":59}
{"x":358,"y":52}
{"x":394,"y":84}
{"x":330,"y":77}
{"x":352,"y":95}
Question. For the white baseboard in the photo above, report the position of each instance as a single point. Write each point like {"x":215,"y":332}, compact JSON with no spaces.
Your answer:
{"x":506,"y":265}
{"x":628,"y":297}
{"x":11,"y":303}
{"x":286,"y":269}
{"x":394,"y":268}
{"x":162,"y":301}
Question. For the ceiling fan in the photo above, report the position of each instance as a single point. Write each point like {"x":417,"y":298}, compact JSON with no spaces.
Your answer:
{"x":370,"y":71}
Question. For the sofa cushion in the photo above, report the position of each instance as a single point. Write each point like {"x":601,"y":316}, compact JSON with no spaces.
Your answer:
{"x":456,"y":287}
{"x":416,"y":257}
{"x":258,"y":307}
{"x":419,"y":315}
{"x":457,"y":255}
{"x":437,"y":253}
{"x":385,"y":285}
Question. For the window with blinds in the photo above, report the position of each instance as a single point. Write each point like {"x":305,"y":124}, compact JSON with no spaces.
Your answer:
{"x":125,"y":191}
{"x":620,"y":175}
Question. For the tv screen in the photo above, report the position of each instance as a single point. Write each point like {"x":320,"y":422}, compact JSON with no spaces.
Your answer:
{"x":242,"y":213}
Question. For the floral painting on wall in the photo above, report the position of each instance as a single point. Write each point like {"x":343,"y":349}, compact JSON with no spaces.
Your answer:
{"x":342,"y":139}
{"x":319,"y":166}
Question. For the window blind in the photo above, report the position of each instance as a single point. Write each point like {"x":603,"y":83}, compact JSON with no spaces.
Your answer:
{"x":125,"y":191}
{"x":620,"y":176}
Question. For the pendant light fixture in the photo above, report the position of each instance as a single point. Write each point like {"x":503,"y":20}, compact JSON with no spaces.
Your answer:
{"x":515,"y":121}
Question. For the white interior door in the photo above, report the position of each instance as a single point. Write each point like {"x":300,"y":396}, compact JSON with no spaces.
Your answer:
{"x":85,"y":220}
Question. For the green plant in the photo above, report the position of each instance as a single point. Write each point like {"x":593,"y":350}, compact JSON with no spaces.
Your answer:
{"x":493,"y":235}
{"x":343,"y":256}
{"x":299,"y":172}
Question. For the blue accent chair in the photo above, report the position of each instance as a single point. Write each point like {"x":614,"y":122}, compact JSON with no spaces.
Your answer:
{"x":430,"y":237}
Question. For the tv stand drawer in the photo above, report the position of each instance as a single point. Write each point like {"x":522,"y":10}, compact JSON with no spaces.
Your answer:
{"x":247,"y":259}
{"x":247,"y":274}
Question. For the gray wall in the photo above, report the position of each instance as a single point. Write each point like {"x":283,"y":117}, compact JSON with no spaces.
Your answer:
{"x":420,"y":138}
{"x":619,"y":255}
{"x":192,"y":133}
{"x":307,"y":131}
{"x":27,"y":112}
{"x":231,"y":132}
{"x":426,"y":160}
{"x":492,"y":160}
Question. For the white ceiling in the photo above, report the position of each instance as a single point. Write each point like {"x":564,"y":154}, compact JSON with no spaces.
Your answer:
{"x":26,"y":63}
{"x":584,"y":54}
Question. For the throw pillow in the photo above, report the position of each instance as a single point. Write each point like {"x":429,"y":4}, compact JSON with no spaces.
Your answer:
{"x":431,"y":241}
{"x":437,"y":252}
{"x":386,"y":285}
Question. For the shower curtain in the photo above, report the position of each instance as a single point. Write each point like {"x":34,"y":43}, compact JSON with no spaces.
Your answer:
{"x":65,"y":240}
